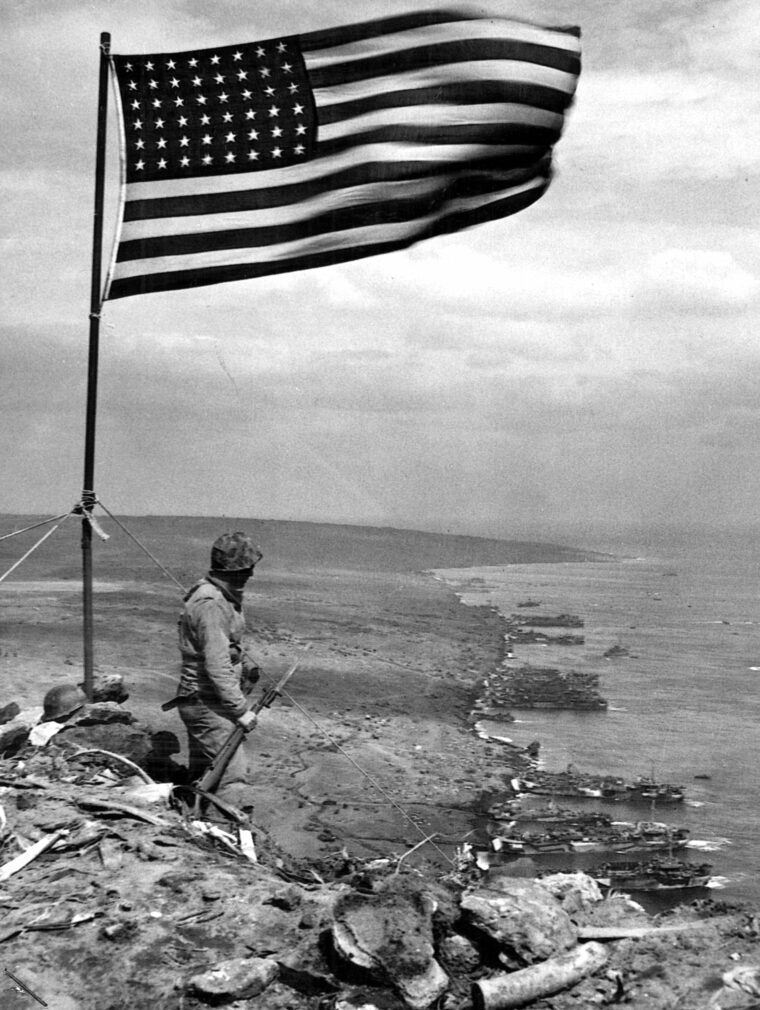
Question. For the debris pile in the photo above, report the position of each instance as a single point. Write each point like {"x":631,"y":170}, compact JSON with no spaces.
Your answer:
{"x":114,"y":895}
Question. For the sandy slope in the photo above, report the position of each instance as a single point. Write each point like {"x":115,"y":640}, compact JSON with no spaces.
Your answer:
{"x":391,"y":669}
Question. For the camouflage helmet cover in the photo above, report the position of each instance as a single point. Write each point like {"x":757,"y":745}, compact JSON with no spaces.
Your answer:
{"x":234,"y":552}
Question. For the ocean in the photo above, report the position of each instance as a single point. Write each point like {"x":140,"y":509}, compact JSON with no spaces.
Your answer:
{"x":683,"y":702}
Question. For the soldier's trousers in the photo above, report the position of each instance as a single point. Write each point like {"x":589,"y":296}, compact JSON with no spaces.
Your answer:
{"x":207,"y":729}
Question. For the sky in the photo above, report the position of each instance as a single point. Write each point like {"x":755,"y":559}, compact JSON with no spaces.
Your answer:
{"x":594,"y":357}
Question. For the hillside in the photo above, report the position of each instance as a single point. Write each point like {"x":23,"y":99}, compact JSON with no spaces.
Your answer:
{"x":182,"y":541}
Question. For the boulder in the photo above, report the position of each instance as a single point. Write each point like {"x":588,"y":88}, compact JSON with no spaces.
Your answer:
{"x":305,"y":968}
{"x":237,"y":978}
{"x":108,"y":687}
{"x":389,"y":936}
{"x":108,"y":726}
{"x":101,"y":713}
{"x":576,"y":892}
{"x":459,"y":954}
{"x":14,"y":734}
{"x":9,"y":711}
{"x":521,"y":916}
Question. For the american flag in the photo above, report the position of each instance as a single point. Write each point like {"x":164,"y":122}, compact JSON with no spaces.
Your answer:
{"x":313,"y":149}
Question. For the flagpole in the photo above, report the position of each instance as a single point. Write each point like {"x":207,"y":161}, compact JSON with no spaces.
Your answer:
{"x":88,"y":488}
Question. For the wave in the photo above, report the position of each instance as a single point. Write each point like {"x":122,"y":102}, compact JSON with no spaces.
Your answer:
{"x":718,"y":883}
{"x":708,"y":844}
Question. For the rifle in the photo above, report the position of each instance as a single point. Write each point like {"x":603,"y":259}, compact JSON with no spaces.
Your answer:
{"x":210,"y":779}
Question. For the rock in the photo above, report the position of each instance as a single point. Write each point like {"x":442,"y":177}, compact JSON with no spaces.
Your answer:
{"x":389,"y":936}
{"x":8,"y":712}
{"x":459,"y":955}
{"x":108,"y":687}
{"x":576,"y":892}
{"x":102,"y":712}
{"x":305,"y":968}
{"x":521,"y":916}
{"x":13,"y":734}
{"x":288,"y":898}
{"x":238,"y":978}
{"x":524,"y":868}
{"x":108,"y":726}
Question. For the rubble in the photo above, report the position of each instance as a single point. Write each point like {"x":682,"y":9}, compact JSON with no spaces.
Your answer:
{"x":102,"y":876}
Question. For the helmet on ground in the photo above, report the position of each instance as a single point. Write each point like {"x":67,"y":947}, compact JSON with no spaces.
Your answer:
{"x":234,"y":552}
{"x":63,"y":701}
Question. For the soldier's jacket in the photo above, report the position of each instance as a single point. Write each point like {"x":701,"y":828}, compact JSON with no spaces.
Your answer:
{"x":211,"y":629}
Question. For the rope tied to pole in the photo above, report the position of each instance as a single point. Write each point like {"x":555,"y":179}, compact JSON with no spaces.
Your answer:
{"x":34,"y":526}
{"x":34,"y":548}
{"x":84,"y":508}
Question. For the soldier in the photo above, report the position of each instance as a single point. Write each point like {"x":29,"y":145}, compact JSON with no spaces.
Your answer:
{"x":210,"y":698}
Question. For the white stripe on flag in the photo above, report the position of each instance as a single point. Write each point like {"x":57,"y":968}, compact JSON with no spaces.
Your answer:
{"x":444,"y":115}
{"x":454,"y":31}
{"x":324,"y":203}
{"x":375,"y":234}
{"x":455,"y":73}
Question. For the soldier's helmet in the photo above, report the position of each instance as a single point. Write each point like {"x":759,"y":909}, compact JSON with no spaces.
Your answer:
{"x":62,"y":701}
{"x":234,"y":552}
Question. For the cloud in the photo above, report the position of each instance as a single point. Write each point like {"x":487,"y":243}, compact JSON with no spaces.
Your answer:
{"x":697,"y":280}
{"x":653,"y":125}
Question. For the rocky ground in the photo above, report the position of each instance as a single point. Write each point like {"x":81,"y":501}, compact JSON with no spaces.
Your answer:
{"x":368,"y":784}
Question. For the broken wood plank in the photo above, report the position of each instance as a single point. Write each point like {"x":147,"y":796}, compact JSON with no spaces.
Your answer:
{"x":124,"y":809}
{"x":30,"y":854}
{"x":117,"y":757}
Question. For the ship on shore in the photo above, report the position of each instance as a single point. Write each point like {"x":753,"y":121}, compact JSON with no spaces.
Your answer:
{"x":587,"y":833}
{"x":579,"y":785}
{"x":652,"y":875}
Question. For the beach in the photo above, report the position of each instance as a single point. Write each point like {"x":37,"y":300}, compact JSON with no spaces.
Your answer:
{"x":671,"y":631}
{"x":371,"y":748}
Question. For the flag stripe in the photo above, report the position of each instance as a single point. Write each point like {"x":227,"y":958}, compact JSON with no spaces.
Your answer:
{"x":151,"y":199}
{"x":524,"y":55}
{"x":348,"y":208}
{"x":507,"y":115}
{"x":172,"y":278}
{"x":334,"y":38}
{"x":420,"y":125}
{"x":152,"y":212}
{"x":431,"y":77}
{"x":430,"y":35}
{"x":255,"y":262}
{"x":537,"y":96}
{"x":486,"y":133}
{"x":344,"y":34}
